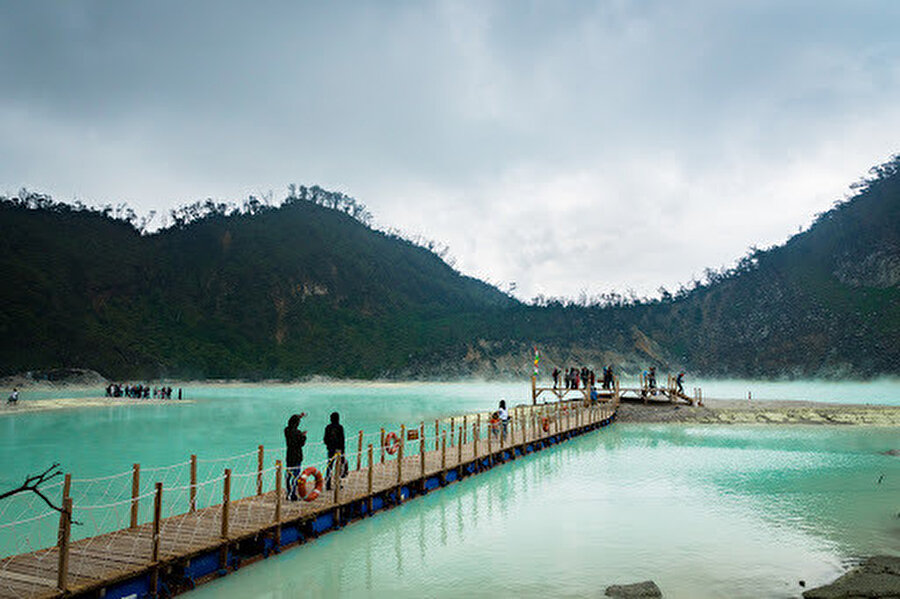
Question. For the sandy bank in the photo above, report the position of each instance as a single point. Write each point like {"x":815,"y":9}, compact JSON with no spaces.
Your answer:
{"x":43,"y":405}
{"x":734,"y":411}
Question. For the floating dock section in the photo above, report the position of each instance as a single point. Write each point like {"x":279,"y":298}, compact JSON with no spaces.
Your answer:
{"x":169,"y":538}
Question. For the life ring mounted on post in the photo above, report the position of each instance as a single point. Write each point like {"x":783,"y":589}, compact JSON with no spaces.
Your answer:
{"x":301,"y":483}
{"x":391,"y":443}
{"x":495,"y":423}
{"x":545,"y":424}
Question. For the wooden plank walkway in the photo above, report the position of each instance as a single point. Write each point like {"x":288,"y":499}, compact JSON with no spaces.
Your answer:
{"x":97,"y":562}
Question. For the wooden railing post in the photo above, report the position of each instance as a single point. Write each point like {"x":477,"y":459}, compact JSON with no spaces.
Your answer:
{"x":382,"y":446}
{"x":437,"y":435}
{"x":369,"y":485}
{"x":65,"y":530}
{"x":157,"y":518}
{"x":66,"y":493}
{"x":193,"y":495}
{"x":444,"y":451}
{"x":226,"y":502}
{"x":359,"y":451}
{"x":452,"y":430}
{"x":422,"y":450}
{"x":459,"y":447}
{"x":337,"y":469}
{"x":154,"y":541}
{"x":465,"y":428}
{"x":279,"y":490}
{"x":489,"y":444}
{"x":135,"y":493}
{"x":400,"y":455}
{"x":259,"y":470}
{"x":279,"y":497}
{"x":475,"y":438}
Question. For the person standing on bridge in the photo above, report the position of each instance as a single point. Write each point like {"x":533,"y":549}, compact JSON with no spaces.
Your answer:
{"x":334,"y":442}
{"x":679,"y":380}
{"x":503,"y":414}
{"x":295,"y":439}
{"x":555,"y":377}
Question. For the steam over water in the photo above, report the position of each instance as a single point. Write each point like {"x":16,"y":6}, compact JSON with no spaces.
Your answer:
{"x":704,"y":511}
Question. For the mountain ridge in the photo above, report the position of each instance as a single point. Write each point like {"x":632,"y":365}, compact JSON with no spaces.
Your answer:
{"x":309,"y":288}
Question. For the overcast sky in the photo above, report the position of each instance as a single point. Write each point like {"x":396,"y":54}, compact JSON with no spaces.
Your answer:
{"x":564,"y":146}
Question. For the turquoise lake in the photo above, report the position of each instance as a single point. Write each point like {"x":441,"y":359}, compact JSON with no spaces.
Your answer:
{"x":705,"y":511}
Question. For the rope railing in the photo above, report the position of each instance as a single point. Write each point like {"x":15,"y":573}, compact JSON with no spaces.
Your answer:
{"x":245,"y":493}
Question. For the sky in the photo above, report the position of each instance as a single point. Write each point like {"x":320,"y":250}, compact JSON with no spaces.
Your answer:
{"x":563,"y":147}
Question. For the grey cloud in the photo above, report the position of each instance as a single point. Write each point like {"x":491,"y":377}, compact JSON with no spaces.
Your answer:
{"x":506,"y":129}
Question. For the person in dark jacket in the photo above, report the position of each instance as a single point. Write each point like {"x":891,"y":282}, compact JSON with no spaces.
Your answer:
{"x":334,"y":442}
{"x":295,"y":439}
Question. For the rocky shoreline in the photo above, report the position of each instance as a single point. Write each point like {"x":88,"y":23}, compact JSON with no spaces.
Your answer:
{"x":876,"y":577}
{"x":733,"y":411}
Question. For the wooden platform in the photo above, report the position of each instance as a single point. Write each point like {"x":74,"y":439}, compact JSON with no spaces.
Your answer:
{"x":94,"y":565}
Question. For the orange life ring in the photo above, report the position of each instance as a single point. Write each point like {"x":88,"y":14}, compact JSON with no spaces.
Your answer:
{"x":301,"y":482}
{"x":392,"y":443}
{"x":545,"y":424}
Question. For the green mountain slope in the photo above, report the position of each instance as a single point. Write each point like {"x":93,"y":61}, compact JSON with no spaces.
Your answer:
{"x":297,"y":290}
{"x":306,"y":289}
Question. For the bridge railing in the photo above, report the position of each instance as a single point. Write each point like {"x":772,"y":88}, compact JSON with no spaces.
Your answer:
{"x":132,"y":517}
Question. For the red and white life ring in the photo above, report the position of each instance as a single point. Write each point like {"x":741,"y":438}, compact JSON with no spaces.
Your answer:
{"x":392,"y":443}
{"x":301,"y":483}
{"x":545,"y":424}
{"x":495,"y":423}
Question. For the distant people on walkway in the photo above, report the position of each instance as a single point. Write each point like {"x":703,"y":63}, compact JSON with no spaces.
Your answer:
{"x":608,"y":377}
{"x":294,"y":439}
{"x":334,"y":442}
{"x":503,"y":415}
{"x":13,"y":397}
{"x":679,"y":380}
{"x":139,"y":391}
{"x":651,"y":378}
{"x":572,"y":378}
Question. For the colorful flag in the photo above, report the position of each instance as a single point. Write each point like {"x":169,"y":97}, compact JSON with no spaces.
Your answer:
{"x":537,"y":358}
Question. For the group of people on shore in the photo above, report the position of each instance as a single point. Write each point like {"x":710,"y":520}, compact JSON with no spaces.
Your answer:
{"x":583,"y":378}
{"x":295,"y":439}
{"x":140,"y":391}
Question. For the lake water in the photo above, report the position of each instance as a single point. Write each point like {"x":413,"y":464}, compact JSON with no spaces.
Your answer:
{"x":704,"y":511}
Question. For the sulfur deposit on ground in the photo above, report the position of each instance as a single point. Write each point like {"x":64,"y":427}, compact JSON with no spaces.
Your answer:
{"x":42,"y":405}
{"x":726,"y":411}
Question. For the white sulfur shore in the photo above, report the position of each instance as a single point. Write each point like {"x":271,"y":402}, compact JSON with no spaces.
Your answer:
{"x":61,"y":403}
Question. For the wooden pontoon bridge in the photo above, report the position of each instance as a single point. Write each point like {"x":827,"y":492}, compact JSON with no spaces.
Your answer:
{"x":205,"y":529}
{"x":644,"y":391}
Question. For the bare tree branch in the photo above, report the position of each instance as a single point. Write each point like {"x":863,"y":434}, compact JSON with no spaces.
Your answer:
{"x":32,"y":484}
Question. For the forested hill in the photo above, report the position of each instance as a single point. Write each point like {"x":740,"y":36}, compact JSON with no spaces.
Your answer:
{"x":306,"y":288}
{"x":825,"y":303}
{"x":264,"y":292}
